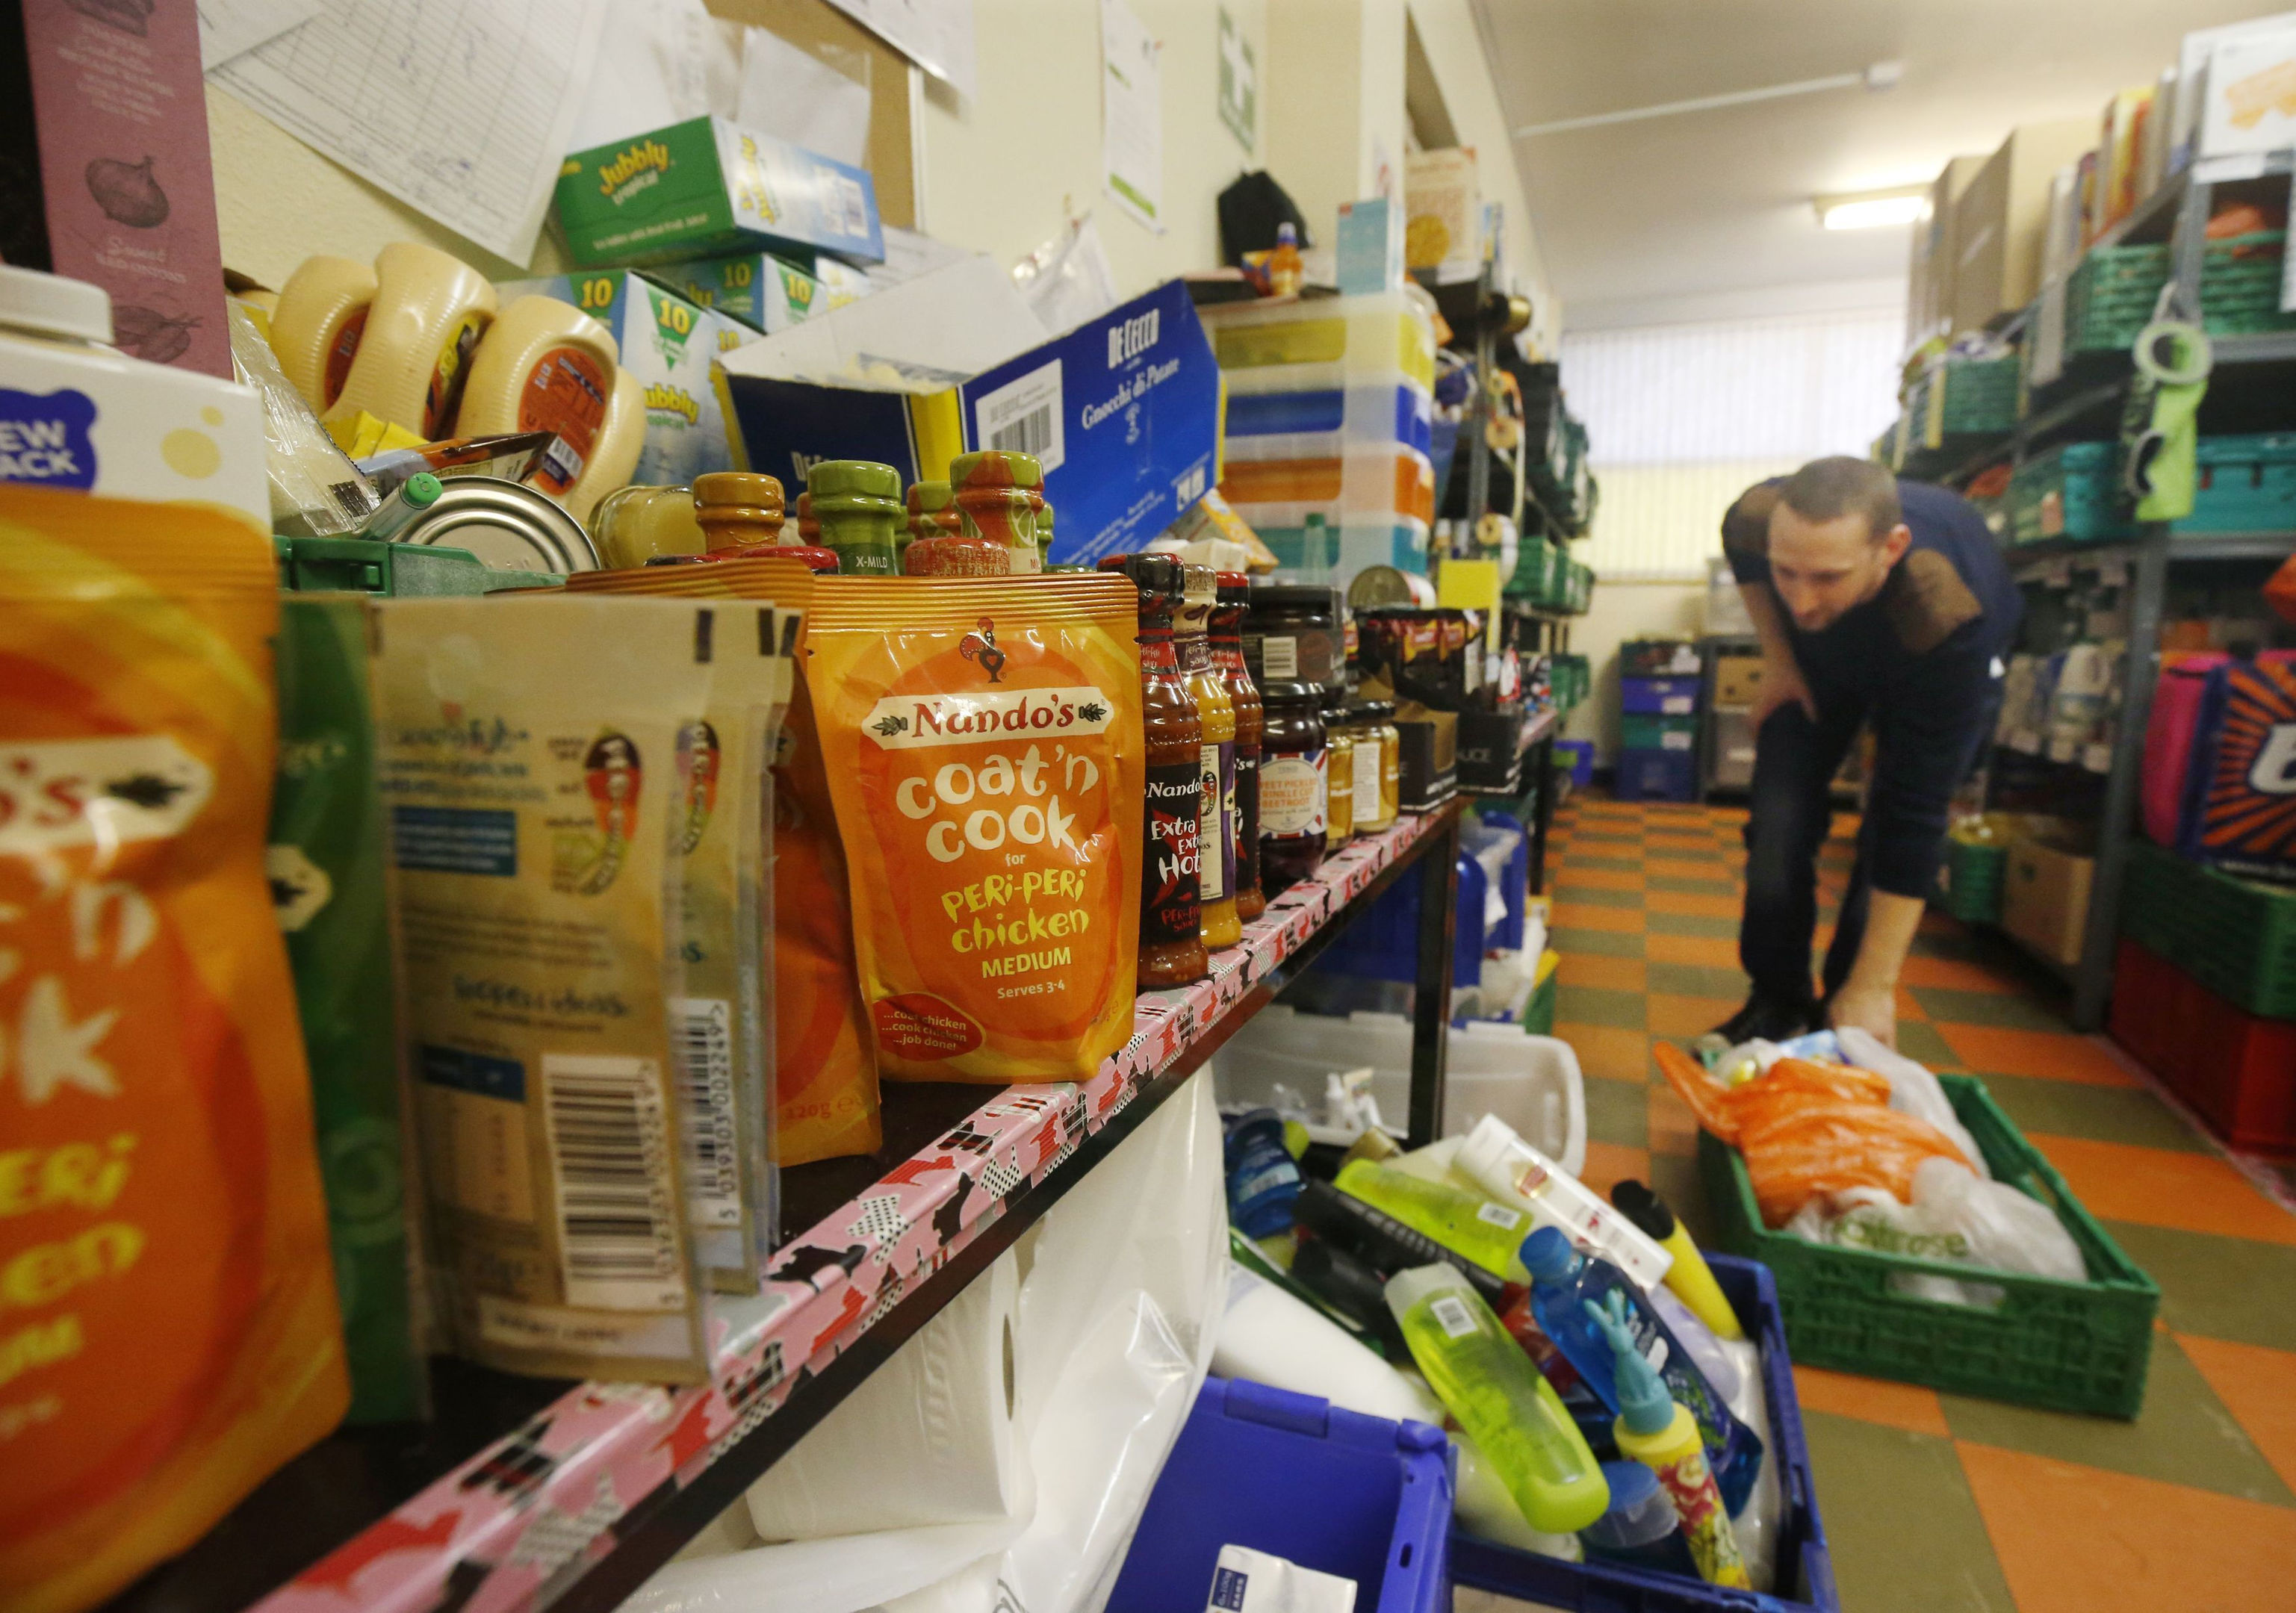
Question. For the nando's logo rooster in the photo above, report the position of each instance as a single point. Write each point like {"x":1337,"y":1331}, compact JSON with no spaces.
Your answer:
{"x":981,"y":647}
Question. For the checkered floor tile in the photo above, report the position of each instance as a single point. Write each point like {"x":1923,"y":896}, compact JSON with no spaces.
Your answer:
{"x":1934,"y":1502}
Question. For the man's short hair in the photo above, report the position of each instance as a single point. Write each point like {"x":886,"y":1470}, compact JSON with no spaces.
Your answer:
{"x":1827,"y":490}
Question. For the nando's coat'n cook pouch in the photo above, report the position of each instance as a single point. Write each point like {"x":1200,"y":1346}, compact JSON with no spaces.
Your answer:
{"x":983,"y":743}
{"x":530,"y":759}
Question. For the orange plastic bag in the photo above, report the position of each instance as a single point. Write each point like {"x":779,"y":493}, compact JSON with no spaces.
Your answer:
{"x":1807,"y":1128}
{"x":983,"y":741}
{"x":168,"y":1333}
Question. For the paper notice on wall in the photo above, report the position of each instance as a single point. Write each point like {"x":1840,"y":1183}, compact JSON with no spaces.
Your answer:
{"x":462,"y":109}
{"x":795,"y":95}
{"x":233,"y":27}
{"x":1132,"y":115}
{"x":669,"y":61}
{"x":937,"y":34}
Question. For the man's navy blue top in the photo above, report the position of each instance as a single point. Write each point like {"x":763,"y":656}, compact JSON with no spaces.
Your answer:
{"x":1919,"y":660}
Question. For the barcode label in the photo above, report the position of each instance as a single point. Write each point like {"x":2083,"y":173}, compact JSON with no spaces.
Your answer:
{"x":562,"y":461}
{"x":609,"y":1158}
{"x":355,"y":499}
{"x":702,"y":1041}
{"x":1025,"y":417}
{"x":1453,"y":1316}
{"x":852,"y":208}
{"x":1280,"y":656}
{"x":1499,"y":1215}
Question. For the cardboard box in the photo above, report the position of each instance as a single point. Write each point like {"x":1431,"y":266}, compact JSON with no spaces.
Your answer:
{"x":1429,"y":771}
{"x":1936,"y":249}
{"x":122,"y":194}
{"x":1123,"y":411}
{"x":1488,"y":754}
{"x":2001,"y":220}
{"x":1737,"y":681}
{"x":1731,"y":763}
{"x":2046,"y":903}
{"x":670,"y":344}
{"x":706,"y":187}
{"x":762,"y":291}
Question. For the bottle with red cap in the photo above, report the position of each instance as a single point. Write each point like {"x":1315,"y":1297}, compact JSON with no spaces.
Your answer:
{"x":1171,"y":941}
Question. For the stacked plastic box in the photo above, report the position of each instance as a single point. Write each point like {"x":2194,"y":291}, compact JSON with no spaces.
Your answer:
{"x":1329,"y":418}
{"x":1659,"y":686}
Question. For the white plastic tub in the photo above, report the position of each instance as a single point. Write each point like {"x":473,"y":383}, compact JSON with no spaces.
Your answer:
{"x":1532,"y":1082}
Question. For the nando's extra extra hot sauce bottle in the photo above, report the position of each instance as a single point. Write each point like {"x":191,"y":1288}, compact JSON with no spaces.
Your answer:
{"x":1171,"y":941}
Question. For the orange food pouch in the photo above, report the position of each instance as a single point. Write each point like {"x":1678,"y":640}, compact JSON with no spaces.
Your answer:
{"x":168,"y":1333}
{"x":983,"y":742}
{"x":825,"y":1072}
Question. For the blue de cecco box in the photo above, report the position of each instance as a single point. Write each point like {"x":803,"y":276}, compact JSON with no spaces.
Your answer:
{"x":1123,"y":411}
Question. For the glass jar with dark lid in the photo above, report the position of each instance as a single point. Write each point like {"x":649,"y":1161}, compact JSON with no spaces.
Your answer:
{"x":1378,"y":764}
{"x":1293,"y":803}
{"x":1227,"y":656}
{"x":1338,"y":771}
{"x":1293,"y":634}
{"x":1172,"y":950}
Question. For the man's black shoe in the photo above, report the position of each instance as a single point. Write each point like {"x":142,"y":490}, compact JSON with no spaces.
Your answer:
{"x":1768,"y":1019}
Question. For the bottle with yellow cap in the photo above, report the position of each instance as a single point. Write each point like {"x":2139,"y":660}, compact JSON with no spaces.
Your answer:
{"x":858,"y":504}
{"x":1216,"y":828}
{"x":545,"y":365}
{"x":741,"y":515}
{"x":414,"y":349}
{"x":317,"y":325}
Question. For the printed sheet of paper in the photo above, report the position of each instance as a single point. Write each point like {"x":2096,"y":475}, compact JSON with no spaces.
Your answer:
{"x":794,"y":95}
{"x":461,"y":108}
{"x":666,"y":60}
{"x":1132,"y":115}
{"x":233,"y":27}
{"x":937,"y":34}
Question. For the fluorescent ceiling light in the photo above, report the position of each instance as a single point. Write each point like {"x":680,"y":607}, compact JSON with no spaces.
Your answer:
{"x":1881,"y":75}
{"x":1871,"y":209}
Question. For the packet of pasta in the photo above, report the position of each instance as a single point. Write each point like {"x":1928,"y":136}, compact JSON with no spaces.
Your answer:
{"x":983,"y":742}
{"x":167,"y":1325}
{"x":529,"y":760}
{"x":722,"y":1021}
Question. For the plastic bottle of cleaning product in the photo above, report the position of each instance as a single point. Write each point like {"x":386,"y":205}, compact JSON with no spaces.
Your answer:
{"x":407,"y":501}
{"x":1690,"y":1277}
{"x":543,"y":366}
{"x":1352,"y":1288}
{"x":414,"y":352}
{"x":1263,"y":1179}
{"x":317,"y":327}
{"x":1641,"y":1528}
{"x":1487,"y":1382}
{"x":1488,"y":1234}
{"x":1380,"y":1240}
{"x":1497,"y":1160}
{"x":1664,"y":1437}
{"x":1562,"y":1281}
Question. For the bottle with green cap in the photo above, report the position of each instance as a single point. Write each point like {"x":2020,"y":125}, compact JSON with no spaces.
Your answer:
{"x":858,"y":504}
{"x":405,"y":504}
{"x":1512,"y":1414}
{"x":1663,"y":1436}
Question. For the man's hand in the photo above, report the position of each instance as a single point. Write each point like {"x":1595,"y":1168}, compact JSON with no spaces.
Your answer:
{"x":1782,"y":684}
{"x":1872,"y":1008}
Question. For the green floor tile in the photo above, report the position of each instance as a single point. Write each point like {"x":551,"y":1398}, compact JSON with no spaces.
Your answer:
{"x":2220,"y":1287}
{"x":1674,"y":1178}
{"x":2005,"y":1011}
{"x":1691,"y":924}
{"x":2103,"y":1114}
{"x":1582,"y":859}
{"x":1692,"y":888}
{"x":1696,"y":981}
{"x":1599,"y":1005}
{"x":1601,"y":837}
{"x":1956,"y":946}
{"x":1567,"y":939}
{"x":2184,"y":1436}
{"x":1905,"y":1532}
{"x":1923,"y":1044}
{"x":1594,"y":897}
{"x":1618,"y":1111}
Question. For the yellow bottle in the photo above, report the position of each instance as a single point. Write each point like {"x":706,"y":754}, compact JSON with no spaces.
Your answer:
{"x":414,"y":353}
{"x":545,"y":365}
{"x":1216,"y":830}
{"x":1690,"y":1277}
{"x":315,"y":327}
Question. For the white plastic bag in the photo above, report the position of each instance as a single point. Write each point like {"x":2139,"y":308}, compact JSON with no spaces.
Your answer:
{"x":1913,"y":1090}
{"x":1954,"y":1217}
{"x":1111,"y":1332}
{"x":1068,"y":280}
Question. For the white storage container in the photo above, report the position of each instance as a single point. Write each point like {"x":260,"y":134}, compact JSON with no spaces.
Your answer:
{"x":1532,"y":1082}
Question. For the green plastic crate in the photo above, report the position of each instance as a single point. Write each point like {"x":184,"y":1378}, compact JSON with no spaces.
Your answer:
{"x":2235,"y":937}
{"x":2071,"y":490}
{"x":1970,"y":880}
{"x":1964,"y":397}
{"x":1639,"y":732}
{"x":1535,"y":564}
{"x":2065,"y":1347}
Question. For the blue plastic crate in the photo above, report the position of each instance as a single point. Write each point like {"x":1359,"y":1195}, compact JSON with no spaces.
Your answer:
{"x":1383,"y":944}
{"x":1289,"y":1474}
{"x":1658,"y":696}
{"x":1581,"y":756}
{"x":1657,"y":775}
{"x":1805,"y":1567}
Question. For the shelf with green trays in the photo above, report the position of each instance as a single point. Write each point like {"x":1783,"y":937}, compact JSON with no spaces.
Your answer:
{"x":2200,"y":547}
{"x":2235,"y":937}
{"x":2064,"y":1347}
{"x":1971,"y":878}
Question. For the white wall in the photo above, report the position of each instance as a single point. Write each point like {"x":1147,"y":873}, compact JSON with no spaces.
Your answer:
{"x":1621,"y":612}
{"x":1334,"y":106}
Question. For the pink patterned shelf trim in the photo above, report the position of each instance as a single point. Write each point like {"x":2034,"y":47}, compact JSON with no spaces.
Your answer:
{"x":515,"y":1525}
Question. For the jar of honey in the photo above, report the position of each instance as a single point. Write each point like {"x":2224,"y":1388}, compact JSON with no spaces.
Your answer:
{"x":1171,"y":940}
{"x":1227,"y":656}
{"x":634,"y":525}
{"x":1215,"y":712}
{"x":1339,"y":777}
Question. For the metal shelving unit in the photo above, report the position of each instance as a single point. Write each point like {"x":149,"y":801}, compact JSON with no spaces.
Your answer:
{"x":524,"y":1494}
{"x":2088,"y":405}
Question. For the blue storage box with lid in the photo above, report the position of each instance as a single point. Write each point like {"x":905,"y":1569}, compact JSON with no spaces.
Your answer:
{"x":1300,"y":1478}
{"x":1657,"y":775}
{"x":1658,"y":696}
{"x":1805,"y":1568}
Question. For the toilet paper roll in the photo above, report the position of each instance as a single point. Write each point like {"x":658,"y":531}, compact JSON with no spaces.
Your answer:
{"x":929,"y":1439}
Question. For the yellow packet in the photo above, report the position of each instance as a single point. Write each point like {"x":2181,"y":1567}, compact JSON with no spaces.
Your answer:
{"x":529,"y":760}
{"x":983,"y":743}
{"x":168,"y":1333}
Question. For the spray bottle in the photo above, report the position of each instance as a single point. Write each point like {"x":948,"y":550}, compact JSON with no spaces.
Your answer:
{"x":1663,"y":1436}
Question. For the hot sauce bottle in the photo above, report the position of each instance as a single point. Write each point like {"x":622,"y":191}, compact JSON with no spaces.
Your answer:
{"x":856,"y":504}
{"x":932,"y":513}
{"x":1227,"y":656}
{"x":1215,"y":712}
{"x":1171,"y":942}
{"x":740,"y":513}
{"x":991,"y":490}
